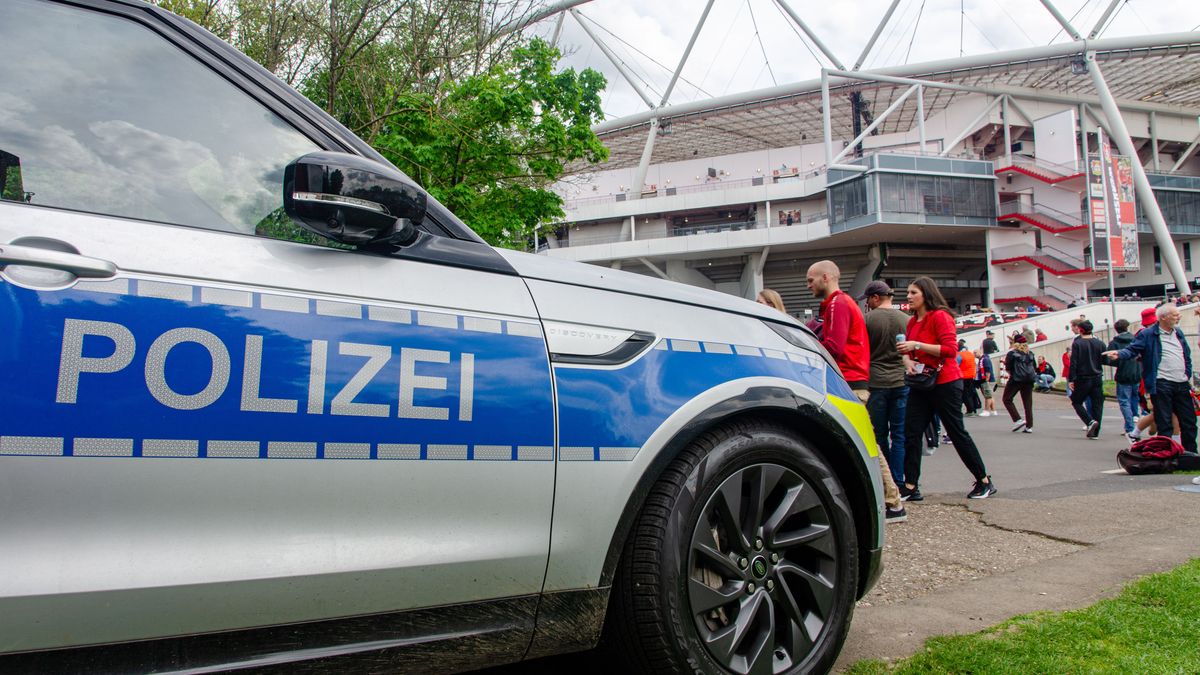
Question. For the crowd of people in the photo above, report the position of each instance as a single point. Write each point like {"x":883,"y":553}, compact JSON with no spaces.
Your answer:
{"x":919,"y":381}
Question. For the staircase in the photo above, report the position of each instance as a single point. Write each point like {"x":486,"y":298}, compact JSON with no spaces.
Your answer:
{"x":1042,"y":217}
{"x":1047,"y":172}
{"x":1046,"y":258}
{"x":1026,"y":294}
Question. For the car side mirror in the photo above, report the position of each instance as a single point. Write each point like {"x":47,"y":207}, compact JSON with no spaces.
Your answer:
{"x":352,"y":199}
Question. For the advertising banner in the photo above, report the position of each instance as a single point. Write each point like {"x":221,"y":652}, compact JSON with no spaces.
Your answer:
{"x":1111,"y":210}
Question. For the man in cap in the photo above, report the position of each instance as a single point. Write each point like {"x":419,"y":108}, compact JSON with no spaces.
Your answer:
{"x":888,"y":393}
{"x":989,"y":343}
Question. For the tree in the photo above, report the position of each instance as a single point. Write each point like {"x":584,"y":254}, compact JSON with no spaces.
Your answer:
{"x":448,"y":90}
{"x":493,"y":143}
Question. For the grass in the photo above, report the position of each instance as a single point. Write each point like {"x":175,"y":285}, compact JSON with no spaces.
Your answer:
{"x":1151,"y":627}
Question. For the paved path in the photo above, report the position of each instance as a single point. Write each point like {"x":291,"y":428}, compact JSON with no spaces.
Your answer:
{"x":1052,"y":484}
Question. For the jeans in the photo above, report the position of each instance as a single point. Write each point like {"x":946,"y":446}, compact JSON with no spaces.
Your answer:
{"x":1127,"y":399}
{"x":1090,"y":389}
{"x":886,"y":408}
{"x":946,"y":401}
{"x":1044,"y":381}
{"x":1175,"y":397}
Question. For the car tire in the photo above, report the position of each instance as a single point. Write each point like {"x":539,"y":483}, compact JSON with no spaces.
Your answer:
{"x":723,"y":575}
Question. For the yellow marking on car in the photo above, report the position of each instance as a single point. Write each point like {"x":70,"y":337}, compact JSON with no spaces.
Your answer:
{"x":857,"y":414}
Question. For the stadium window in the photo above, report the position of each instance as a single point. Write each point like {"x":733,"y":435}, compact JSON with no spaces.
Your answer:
{"x":1157,"y":261}
{"x":1187,"y":256}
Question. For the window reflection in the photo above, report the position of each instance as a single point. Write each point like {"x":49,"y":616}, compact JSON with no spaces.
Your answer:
{"x":110,"y":118}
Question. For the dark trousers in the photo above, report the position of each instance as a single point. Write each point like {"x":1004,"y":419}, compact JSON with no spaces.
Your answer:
{"x":946,"y":401}
{"x":1089,"y":389}
{"x":970,"y":397}
{"x":886,"y":408}
{"x":1025,"y":389}
{"x":1175,"y":397}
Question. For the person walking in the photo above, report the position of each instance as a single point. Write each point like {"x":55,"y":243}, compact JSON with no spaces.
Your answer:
{"x":1029,"y":335}
{"x":931,"y":355}
{"x":1039,"y":336}
{"x":985,"y":382}
{"x":966,"y":366}
{"x":888,"y":393}
{"x":843,"y":333}
{"x":1128,"y":375}
{"x":989,"y":343}
{"x":1166,"y":374}
{"x":1086,"y":381}
{"x":1022,"y":372}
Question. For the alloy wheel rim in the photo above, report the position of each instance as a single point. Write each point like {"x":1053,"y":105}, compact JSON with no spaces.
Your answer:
{"x":762,"y":569}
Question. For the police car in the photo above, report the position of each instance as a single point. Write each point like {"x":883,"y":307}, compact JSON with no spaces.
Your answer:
{"x":393,"y":447}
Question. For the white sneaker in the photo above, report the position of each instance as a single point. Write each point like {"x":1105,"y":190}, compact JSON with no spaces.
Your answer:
{"x":1018,"y":425}
{"x":1027,"y":430}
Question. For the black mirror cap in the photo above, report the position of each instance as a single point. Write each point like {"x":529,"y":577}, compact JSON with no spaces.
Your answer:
{"x":352,"y":199}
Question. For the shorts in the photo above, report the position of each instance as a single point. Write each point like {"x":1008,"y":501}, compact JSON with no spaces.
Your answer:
{"x":986,"y":388}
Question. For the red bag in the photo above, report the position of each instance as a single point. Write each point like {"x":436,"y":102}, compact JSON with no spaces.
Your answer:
{"x":1157,"y":454}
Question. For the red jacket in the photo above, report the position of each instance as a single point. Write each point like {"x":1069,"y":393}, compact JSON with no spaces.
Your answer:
{"x":844,"y":334}
{"x":937,"y":328}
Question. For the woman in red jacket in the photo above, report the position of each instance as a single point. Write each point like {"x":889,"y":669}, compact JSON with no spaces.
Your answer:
{"x":931,"y":344}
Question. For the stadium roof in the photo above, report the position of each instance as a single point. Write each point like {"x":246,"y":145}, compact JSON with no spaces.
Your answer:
{"x":1152,"y":73}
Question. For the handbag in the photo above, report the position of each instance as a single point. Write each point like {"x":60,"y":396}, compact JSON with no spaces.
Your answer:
{"x":924,"y":380}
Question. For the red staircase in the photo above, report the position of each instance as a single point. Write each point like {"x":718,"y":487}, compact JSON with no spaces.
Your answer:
{"x":1043,"y":221}
{"x":1050,"y":174}
{"x":1047,"y":259}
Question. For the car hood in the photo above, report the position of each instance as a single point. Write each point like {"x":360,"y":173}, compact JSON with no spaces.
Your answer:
{"x":546,"y":268}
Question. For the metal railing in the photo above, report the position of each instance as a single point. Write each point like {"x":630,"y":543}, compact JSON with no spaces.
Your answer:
{"x":1034,"y":163}
{"x":1027,"y":207}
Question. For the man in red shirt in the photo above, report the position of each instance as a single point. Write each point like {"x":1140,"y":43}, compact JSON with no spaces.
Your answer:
{"x":843,"y":332}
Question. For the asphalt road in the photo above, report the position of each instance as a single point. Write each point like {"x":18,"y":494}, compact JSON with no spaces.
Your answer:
{"x":1056,"y":461}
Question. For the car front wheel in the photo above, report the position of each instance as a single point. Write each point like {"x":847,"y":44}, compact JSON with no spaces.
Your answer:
{"x":742,"y":560}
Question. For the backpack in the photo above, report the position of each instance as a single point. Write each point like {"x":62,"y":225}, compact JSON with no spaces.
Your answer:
{"x":1024,"y":369}
{"x":1157,"y":454}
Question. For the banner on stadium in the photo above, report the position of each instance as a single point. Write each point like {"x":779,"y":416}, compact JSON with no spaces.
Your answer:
{"x":1111,"y":209}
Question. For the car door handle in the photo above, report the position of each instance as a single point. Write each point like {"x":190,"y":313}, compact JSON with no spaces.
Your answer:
{"x":80,"y":265}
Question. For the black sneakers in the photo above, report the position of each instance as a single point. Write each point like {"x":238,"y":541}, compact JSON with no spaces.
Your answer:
{"x":910,"y":494}
{"x":895,"y":515}
{"x":982,"y":490}
{"x":1093,"y":429}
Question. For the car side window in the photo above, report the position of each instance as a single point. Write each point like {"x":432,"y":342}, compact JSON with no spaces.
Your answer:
{"x":101,"y":114}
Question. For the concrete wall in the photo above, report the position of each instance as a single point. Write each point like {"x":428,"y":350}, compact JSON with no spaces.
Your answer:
{"x":1146,"y":276}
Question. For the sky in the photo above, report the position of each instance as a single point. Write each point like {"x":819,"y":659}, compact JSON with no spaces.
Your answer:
{"x":751,"y":44}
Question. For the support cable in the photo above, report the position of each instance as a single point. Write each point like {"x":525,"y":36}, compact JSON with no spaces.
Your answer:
{"x":1071,"y":20}
{"x":799,"y":35}
{"x":914,"y":35}
{"x":646,"y":56}
{"x":717,"y":51}
{"x":761,"y":46}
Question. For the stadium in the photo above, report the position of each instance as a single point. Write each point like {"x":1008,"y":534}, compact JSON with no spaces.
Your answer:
{"x":1032,"y":179}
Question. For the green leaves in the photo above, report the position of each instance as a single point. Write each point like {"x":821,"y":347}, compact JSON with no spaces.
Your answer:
{"x":479,"y":117}
{"x":492,"y":144}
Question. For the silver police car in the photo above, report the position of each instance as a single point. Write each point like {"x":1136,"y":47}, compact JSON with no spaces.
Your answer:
{"x":267,"y":404}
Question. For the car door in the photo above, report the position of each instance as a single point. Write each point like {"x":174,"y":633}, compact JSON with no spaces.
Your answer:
{"x":207,"y":426}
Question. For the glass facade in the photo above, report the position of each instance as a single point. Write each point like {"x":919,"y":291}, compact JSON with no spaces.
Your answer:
{"x":937,"y":195}
{"x":913,"y":189}
{"x":851,"y":202}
